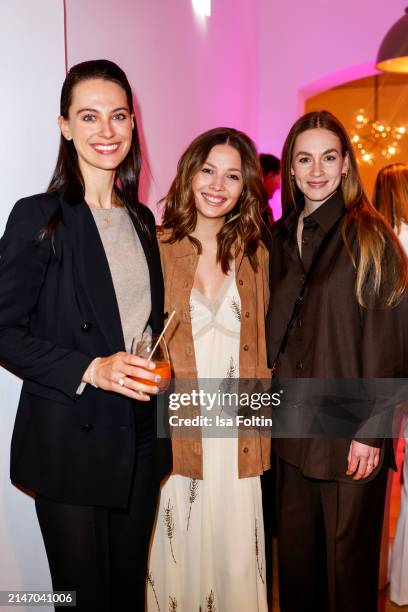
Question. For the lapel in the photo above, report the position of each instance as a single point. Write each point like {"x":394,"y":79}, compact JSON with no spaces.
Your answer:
{"x":94,"y":272}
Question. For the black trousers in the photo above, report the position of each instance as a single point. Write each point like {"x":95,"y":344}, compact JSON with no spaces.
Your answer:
{"x":329,"y":539}
{"x":102,"y":553}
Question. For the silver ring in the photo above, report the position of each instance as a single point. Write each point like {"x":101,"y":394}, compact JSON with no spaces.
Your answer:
{"x":121,"y":382}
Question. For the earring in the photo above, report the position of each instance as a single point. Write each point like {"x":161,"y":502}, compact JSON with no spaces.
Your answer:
{"x":344,"y":175}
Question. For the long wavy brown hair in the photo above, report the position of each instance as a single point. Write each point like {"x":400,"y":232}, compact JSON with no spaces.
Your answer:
{"x":381,"y":266}
{"x":242,"y":225}
{"x":391,"y":194}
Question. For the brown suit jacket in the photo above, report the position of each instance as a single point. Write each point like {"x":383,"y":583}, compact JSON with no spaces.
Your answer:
{"x":334,"y":338}
{"x":179,"y":263}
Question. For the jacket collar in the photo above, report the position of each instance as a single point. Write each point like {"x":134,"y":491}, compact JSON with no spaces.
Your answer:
{"x":185,"y":248}
{"x":94,"y":272}
{"x":325,"y":216}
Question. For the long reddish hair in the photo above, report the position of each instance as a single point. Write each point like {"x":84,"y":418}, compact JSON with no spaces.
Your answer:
{"x":381,"y":266}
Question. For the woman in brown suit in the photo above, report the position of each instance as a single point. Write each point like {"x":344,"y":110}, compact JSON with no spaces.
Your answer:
{"x":208,"y":549}
{"x":337,"y":260}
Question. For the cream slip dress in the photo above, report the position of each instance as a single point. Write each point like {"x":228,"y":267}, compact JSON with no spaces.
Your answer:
{"x":208,"y":552}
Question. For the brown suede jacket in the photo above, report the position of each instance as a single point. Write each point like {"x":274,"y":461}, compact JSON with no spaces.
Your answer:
{"x":179,"y":262}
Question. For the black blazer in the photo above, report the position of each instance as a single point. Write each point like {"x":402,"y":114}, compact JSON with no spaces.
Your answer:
{"x":58,"y":311}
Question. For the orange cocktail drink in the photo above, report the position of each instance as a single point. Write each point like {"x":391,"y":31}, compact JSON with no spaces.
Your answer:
{"x":162,"y":369}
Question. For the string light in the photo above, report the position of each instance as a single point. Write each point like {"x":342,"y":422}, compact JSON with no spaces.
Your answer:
{"x":372,"y":138}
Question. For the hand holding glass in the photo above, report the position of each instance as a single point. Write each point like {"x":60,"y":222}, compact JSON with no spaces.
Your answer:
{"x":150,"y":349}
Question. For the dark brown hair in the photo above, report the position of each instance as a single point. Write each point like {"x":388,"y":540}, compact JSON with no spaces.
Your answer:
{"x":242,"y":225}
{"x":380,"y":262}
{"x":67,"y":175}
{"x":391,"y":194}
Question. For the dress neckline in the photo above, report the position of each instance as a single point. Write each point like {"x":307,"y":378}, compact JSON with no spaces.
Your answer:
{"x":219,"y":296}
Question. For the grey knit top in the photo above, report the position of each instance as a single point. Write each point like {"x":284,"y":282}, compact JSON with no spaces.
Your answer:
{"x":128,"y":267}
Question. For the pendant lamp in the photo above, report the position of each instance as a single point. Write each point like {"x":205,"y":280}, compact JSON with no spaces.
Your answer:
{"x":393,"y":53}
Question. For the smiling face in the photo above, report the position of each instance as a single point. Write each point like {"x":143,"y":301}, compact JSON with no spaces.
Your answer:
{"x":317,"y":165}
{"x":99,"y":124}
{"x":218,"y":185}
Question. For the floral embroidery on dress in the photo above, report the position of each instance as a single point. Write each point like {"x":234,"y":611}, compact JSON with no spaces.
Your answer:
{"x":170,"y":526}
{"x":172,"y":604}
{"x":258,"y":561}
{"x":152,"y":585}
{"x":236,"y":308}
{"x":232,"y":369}
{"x":210,"y":601}
{"x":193,"y":494}
{"x":227,"y":384}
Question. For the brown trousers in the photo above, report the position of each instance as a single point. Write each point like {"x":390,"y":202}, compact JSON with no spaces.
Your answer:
{"x":329,"y":537}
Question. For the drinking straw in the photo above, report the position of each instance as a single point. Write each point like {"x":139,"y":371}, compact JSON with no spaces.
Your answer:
{"x":162,"y":334}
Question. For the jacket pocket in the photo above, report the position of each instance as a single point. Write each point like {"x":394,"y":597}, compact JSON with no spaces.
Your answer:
{"x":49,"y":393}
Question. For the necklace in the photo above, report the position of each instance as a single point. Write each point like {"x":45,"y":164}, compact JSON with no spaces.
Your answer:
{"x":115,"y":203}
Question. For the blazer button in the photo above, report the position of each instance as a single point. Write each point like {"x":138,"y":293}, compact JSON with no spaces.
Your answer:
{"x":87,"y":427}
{"x":86,"y":327}
{"x":245,"y":347}
{"x":299,"y":365}
{"x":247,"y":315}
{"x":245,"y":450}
{"x":240,"y":282}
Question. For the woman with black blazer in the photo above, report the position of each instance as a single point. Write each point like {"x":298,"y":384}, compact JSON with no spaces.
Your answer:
{"x":80,"y":276}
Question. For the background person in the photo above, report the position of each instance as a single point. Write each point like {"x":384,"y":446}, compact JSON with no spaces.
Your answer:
{"x":208,"y":547}
{"x":271,"y":170}
{"x":391,"y":199}
{"x":79,"y":278}
{"x":272,"y":179}
{"x":331,"y":490}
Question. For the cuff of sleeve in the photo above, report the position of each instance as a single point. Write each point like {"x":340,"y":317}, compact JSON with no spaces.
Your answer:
{"x":376,"y":442}
{"x":81,"y":388}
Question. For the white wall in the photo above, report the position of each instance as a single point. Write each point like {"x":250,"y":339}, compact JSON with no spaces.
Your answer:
{"x":32,"y":70}
{"x":188,"y":75}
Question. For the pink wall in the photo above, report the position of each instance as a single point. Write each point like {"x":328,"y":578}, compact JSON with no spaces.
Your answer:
{"x":304,"y":42}
{"x":188,"y":76}
{"x":250,"y":65}
{"x":305,"y":47}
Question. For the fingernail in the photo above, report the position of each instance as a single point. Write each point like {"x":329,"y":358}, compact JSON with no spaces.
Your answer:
{"x":157,"y":378}
{"x":152,"y":365}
